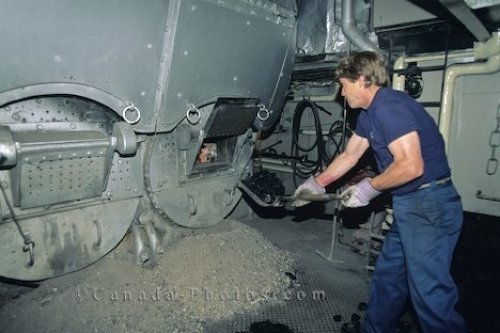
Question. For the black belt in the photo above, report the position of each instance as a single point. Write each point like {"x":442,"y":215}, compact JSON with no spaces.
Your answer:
{"x":440,"y":181}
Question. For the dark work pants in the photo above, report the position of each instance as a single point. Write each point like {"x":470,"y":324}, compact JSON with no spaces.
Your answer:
{"x":415,"y":262}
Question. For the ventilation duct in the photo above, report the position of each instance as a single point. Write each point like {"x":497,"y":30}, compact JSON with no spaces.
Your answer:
{"x":351,"y":31}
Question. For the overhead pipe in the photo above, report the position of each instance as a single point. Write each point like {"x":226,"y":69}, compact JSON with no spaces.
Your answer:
{"x":351,"y":31}
{"x":353,"y":35}
{"x":398,"y":80}
{"x":491,"y":49}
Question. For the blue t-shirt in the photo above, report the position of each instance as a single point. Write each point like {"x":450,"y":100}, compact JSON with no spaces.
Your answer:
{"x":393,"y":114}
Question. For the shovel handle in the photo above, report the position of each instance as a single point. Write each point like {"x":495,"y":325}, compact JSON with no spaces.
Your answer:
{"x":312,"y":197}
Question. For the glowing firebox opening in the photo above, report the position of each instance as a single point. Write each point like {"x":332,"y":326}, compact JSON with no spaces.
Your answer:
{"x":215,"y":155}
{"x":208,"y":153}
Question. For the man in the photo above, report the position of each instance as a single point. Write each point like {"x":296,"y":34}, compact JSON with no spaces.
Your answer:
{"x":416,"y":256}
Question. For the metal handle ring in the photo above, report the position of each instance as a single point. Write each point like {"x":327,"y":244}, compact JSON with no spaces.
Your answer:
{"x":131,"y":114}
{"x":193,"y":114}
{"x":263,"y":113}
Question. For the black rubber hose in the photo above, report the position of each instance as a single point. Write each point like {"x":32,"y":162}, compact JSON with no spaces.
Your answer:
{"x":332,"y":139}
{"x":305,"y":169}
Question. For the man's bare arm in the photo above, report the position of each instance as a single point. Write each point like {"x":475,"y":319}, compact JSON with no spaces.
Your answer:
{"x":355,"y":148}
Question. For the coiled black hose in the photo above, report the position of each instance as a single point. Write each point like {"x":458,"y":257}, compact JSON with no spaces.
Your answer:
{"x":307,"y":168}
{"x":304,"y":168}
{"x":335,"y":129}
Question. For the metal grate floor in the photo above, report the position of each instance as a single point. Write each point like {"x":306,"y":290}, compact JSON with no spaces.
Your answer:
{"x":322,"y":291}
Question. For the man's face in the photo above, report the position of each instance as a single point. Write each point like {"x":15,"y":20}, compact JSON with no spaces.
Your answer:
{"x":354,"y":92}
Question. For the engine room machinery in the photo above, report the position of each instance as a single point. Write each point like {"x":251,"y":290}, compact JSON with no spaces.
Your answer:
{"x":105,"y":105}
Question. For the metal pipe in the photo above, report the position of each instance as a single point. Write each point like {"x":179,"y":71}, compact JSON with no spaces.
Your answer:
{"x":492,"y":65}
{"x":35,"y":147}
{"x":268,"y":160}
{"x":350,"y":30}
{"x":481,"y":50}
{"x":489,"y":50}
{"x":279,"y":168}
{"x":398,"y":80}
{"x":312,"y":132}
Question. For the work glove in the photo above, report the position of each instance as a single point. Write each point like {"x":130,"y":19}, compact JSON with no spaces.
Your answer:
{"x":359,"y":195}
{"x":310,"y":186}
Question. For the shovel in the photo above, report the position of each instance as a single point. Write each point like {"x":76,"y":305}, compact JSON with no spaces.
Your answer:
{"x":280,"y":200}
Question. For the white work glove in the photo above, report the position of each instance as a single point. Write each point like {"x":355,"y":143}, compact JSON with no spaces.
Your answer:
{"x":359,"y":195}
{"x":310,"y":186}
